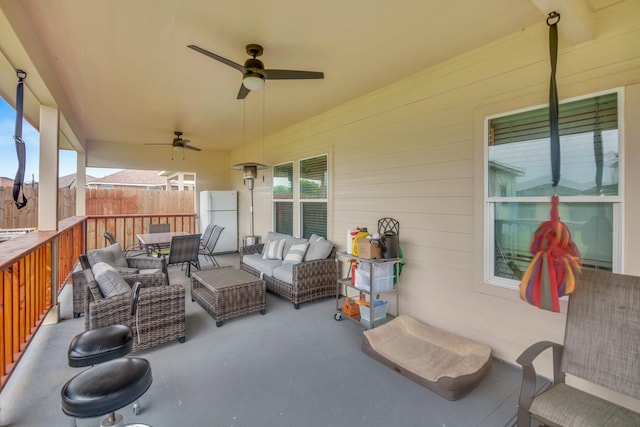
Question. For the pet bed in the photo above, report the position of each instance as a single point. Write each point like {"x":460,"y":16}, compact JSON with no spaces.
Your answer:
{"x":443,"y":362}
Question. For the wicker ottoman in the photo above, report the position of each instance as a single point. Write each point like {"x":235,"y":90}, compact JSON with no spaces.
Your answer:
{"x":226,"y":292}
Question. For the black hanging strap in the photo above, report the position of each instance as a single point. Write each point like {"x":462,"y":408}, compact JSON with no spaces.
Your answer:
{"x":552,"y":22}
{"x":18,"y":183}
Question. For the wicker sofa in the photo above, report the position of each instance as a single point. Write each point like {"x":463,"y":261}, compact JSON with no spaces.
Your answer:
{"x":160,"y":316}
{"x":299,"y":280}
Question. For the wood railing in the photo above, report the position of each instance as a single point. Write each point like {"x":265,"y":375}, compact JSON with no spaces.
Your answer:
{"x":35,"y":266}
{"x":125,"y":227}
{"x":29,"y":266}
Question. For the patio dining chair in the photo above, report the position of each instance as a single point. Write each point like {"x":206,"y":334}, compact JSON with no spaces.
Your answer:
{"x":130,"y":251}
{"x":160,"y":250}
{"x":184,"y":250}
{"x":600,"y":347}
{"x":210,"y":245}
{"x":159,"y":228}
{"x":110,"y":237}
{"x":206,"y":235}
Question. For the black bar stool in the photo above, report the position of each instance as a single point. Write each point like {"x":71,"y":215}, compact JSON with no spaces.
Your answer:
{"x":105,"y":388}
{"x":115,"y":381}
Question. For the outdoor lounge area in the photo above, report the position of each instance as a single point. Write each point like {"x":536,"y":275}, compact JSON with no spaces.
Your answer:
{"x":501,"y":136}
{"x":287,"y":367}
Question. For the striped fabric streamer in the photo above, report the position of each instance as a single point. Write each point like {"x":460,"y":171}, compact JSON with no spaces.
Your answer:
{"x":555,"y":268}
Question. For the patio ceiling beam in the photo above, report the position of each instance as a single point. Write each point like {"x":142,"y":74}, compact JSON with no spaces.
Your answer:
{"x":577,"y":22}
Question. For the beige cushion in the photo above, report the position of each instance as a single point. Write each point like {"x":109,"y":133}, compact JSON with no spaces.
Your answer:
{"x":111,"y":255}
{"x":110,"y":282}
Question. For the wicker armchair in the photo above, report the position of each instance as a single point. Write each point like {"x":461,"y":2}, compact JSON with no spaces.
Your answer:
{"x":312,"y":280}
{"x":160,"y":316}
{"x":135,"y":266}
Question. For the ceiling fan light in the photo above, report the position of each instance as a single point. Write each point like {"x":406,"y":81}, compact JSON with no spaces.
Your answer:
{"x":178,"y":148}
{"x":253,"y":81}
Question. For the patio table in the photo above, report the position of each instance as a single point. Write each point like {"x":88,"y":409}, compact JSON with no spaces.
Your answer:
{"x":157,"y":240}
{"x":226,"y":292}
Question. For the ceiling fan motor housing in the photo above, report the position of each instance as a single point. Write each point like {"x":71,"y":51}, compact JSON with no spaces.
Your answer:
{"x":253,"y":63}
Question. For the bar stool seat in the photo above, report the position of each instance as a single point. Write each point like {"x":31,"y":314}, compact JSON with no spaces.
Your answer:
{"x":107,"y":387}
{"x":100,"y":345}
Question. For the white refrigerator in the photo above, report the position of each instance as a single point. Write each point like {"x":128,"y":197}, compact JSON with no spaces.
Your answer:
{"x":221,"y":208}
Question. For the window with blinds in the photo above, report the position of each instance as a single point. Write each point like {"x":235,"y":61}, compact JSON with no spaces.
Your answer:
{"x":300,"y":197}
{"x":283,"y":181}
{"x":313,"y":196}
{"x":518,"y":184}
{"x":519,"y":152}
{"x":283,"y":198}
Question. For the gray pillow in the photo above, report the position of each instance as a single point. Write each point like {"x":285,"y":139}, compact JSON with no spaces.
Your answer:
{"x":111,"y":255}
{"x":110,"y":282}
{"x":318,"y":249}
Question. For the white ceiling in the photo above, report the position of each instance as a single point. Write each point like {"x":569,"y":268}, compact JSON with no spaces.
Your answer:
{"x":128,"y":77}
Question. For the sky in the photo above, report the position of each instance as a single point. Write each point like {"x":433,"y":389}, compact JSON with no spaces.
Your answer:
{"x":9,"y":158}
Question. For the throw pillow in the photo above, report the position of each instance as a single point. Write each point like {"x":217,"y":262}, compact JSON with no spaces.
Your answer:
{"x":296,"y":254}
{"x":273,"y":249}
{"x":292,"y":241}
{"x":112,"y":255}
{"x":110,"y":282}
{"x":271,"y":236}
{"x":318,"y":249}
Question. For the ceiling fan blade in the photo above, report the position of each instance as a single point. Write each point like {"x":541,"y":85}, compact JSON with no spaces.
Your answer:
{"x":161,"y":143}
{"x":291,"y":74}
{"x":243,"y":92}
{"x":190,"y":147}
{"x":218,"y":58}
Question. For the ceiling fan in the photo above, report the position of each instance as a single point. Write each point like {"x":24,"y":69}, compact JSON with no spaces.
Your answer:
{"x":179,"y":144}
{"x":253,"y":71}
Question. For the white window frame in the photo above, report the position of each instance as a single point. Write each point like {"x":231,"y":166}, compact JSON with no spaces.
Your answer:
{"x":490,"y":202}
{"x":293,"y":195}
{"x":297,"y":201}
{"x":301,"y":201}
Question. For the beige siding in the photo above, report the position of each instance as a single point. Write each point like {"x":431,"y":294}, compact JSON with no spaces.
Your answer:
{"x":414,"y":151}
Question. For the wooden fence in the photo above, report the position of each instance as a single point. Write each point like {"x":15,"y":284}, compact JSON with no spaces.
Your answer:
{"x":132,"y":201}
{"x":99,"y":202}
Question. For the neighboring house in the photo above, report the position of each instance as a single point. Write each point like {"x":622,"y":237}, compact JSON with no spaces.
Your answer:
{"x":130,"y":178}
{"x":8,"y":182}
{"x":69,"y":181}
{"x":180,"y":181}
